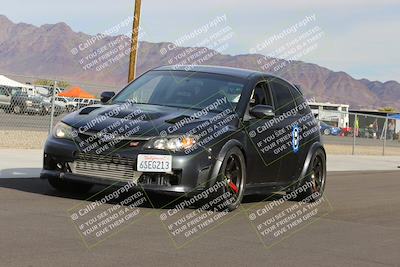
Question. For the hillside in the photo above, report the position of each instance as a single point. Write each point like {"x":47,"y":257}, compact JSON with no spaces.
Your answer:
{"x":46,"y":52}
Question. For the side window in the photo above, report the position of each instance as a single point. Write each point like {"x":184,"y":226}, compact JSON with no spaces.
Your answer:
{"x":261,"y":95}
{"x":298,"y":98}
{"x":282,"y":97}
{"x":300,"y":101}
{"x":144,"y":94}
{"x":3,"y":91}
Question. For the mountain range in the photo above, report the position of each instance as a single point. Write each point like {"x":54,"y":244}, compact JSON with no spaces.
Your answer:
{"x":53,"y":51}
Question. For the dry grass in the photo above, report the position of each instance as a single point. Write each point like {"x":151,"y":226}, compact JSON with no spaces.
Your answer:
{"x":361,"y":150}
{"x":22,"y":139}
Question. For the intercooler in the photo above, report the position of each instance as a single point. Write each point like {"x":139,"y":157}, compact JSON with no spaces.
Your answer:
{"x":119,"y":169}
{"x":106,"y":167}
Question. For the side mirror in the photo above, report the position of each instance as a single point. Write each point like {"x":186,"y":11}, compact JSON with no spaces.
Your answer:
{"x":262,"y":112}
{"x":106,"y":96}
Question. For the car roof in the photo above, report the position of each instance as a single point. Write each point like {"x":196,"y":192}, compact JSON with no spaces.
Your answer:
{"x":235,"y":72}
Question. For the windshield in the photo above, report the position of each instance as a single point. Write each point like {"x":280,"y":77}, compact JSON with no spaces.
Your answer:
{"x":183,"y":89}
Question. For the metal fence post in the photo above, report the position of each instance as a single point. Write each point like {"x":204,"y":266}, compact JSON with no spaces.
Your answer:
{"x":355,"y":126}
{"x":52,"y":106}
{"x":384,"y":137}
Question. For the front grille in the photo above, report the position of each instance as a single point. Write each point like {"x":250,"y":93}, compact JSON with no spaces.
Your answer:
{"x":116,"y":159}
{"x":88,"y":139}
{"x":108,"y":167}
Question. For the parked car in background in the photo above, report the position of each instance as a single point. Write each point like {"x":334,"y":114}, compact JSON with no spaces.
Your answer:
{"x":21,"y":102}
{"x":347,"y":131}
{"x":84,"y":102}
{"x":70,"y":103}
{"x":89,"y":102}
{"x":327,"y":129}
{"x":5,"y":99}
{"x":59,"y":106}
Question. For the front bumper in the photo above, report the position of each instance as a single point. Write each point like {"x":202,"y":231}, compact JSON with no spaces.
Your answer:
{"x":190,"y":173}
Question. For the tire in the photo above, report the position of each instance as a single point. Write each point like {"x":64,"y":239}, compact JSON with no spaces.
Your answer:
{"x":233,"y":174}
{"x":66,"y":186}
{"x":315,"y":179}
{"x":327,"y":132}
{"x":17,"y":109}
{"x":44,"y":112}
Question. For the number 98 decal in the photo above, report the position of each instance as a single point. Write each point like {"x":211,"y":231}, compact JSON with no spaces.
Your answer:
{"x":296,"y":138}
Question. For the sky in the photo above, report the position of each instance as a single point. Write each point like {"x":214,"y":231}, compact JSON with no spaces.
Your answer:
{"x":360,"y":37}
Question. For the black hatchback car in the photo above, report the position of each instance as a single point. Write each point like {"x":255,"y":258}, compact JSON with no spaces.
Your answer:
{"x":182,"y":130}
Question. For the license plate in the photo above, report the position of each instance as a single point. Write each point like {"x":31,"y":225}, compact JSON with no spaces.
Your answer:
{"x":154,"y":163}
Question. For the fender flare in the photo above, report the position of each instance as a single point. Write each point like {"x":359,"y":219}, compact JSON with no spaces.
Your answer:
{"x":220,"y":158}
{"x":307,"y":161}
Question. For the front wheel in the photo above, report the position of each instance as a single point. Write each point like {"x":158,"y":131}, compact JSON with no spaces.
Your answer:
{"x":315,"y":179}
{"x":233,"y":177}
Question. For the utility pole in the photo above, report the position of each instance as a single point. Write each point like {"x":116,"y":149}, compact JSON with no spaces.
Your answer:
{"x":134,"y":41}
{"x":53,"y":97}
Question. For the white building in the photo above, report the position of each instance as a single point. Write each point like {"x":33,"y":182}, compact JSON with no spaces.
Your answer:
{"x":333,"y":114}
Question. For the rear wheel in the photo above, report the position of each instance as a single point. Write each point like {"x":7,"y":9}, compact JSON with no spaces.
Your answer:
{"x":67,"y":186}
{"x":315,"y":179}
{"x":17,"y":109}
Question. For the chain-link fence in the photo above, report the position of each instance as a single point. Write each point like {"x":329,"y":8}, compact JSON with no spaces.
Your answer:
{"x":29,"y":112}
{"x":30,"y":107}
{"x":364,"y":134}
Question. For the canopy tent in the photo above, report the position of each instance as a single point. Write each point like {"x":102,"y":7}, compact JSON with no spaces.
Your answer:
{"x":76,"y":92}
{"x":4,"y":81}
{"x":397,"y":118}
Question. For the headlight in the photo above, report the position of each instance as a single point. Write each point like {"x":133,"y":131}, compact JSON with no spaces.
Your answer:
{"x":178,"y":143}
{"x":62,"y":131}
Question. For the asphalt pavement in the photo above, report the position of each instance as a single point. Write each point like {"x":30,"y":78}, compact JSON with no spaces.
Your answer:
{"x":360,"y":228}
{"x":25,"y":122}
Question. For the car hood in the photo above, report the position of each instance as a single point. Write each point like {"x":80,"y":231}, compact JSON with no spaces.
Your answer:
{"x":149,"y":120}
